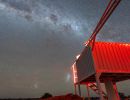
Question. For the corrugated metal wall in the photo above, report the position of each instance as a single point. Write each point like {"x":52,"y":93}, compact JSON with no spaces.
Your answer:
{"x":112,"y":57}
{"x":85,"y":66}
{"x":106,"y":57}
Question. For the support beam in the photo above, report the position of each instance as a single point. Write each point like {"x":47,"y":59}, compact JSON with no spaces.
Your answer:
{"x":75,"y":89}
{"x":88,"y":94}
{"x":111,"y":89}
{"x":79,"y":89}
{"x":108,"y":11}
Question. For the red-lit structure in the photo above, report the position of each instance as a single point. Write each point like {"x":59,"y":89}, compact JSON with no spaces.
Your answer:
{"x":102,"y":62}
{"x":112,"y":60}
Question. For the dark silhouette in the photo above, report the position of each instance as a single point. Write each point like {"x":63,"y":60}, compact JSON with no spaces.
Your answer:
{"x":46,"y":95}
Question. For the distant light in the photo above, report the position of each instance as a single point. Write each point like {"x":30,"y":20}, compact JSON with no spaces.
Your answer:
{"x":68,"y":77}
{"x":35,"y":85}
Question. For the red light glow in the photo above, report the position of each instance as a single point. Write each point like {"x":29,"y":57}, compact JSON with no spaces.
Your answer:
{"x":75,"y":77}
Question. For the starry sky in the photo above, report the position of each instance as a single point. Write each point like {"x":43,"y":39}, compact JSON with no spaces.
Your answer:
{"x":39,"y":40}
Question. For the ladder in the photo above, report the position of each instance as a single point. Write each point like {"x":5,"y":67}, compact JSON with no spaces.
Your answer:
{"x":94,"y":87}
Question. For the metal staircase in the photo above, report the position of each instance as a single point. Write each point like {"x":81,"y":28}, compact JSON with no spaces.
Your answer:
{"x":94,"y":87}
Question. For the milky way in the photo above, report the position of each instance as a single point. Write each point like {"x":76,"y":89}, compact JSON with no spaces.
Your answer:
{"x":39,"y":40}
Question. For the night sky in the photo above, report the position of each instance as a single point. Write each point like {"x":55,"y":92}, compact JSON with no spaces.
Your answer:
{"x":39,"y":40}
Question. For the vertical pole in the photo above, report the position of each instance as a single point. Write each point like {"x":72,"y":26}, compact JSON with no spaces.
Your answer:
{"x":88,"y":94}
{"x":116,"y":91}
{"x":75,"y":90}
{"x":97,"y":75}
{"x":111,"y":89}
{"x":79,"y":89}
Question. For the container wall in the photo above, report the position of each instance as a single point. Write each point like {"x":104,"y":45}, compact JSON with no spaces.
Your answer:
{"x":85,"y":66}
{"x":112,"y":57}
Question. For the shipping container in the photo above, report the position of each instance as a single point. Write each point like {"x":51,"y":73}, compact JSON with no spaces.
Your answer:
{"x":108,"y":58}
